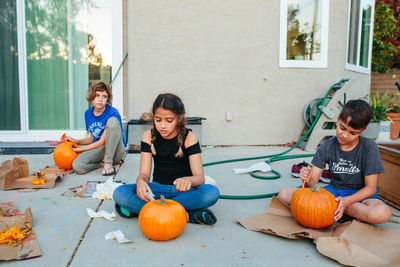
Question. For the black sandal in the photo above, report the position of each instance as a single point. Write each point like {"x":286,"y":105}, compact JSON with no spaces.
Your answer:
{"x":110,"y":173}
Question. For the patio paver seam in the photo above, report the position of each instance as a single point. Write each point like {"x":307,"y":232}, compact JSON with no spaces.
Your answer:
{"x":82,"y":236}
{"x":88,"y":225}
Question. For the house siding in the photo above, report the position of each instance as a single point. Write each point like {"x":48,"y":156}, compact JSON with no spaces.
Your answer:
{"x":221,"y":56}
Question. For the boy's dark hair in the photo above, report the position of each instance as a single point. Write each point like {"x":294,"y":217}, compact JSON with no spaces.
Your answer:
{"x":359,"y":111}
{"x":174,"y":103}
{"x":99,"y":86}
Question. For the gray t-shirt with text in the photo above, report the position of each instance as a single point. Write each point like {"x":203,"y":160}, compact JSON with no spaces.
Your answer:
{"x":349,"y":168}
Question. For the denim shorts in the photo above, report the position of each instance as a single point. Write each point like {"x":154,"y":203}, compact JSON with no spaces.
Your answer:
{"x":345,"y":192}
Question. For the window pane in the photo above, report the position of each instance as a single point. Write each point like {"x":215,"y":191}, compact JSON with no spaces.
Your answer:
{"x":9,"y":81}
{"x":63,"y":52}
{"x":353,"y":32}
{"x":303,"y":30}
{"x":365,"y":34}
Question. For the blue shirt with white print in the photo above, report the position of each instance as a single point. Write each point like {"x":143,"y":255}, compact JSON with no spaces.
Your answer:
{"x":96,"y":124}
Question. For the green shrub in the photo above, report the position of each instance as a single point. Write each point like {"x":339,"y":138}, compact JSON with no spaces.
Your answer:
{"x":380,"y":103}
{"x":385,"y":32}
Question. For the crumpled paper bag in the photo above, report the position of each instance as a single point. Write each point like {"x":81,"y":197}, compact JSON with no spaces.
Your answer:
{"x":355,"y":243}
{"x":14,"y":174}
{"x":10,"y":216}
{"x":106,"y":189}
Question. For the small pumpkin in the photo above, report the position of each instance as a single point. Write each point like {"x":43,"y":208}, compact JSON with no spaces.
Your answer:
{"x":64,"y":156}
{"x":313,"y":208}
{"x":162,"y":219}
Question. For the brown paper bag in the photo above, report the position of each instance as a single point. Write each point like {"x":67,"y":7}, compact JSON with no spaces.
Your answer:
{"x":29,"y":247}
{"x":354,"y":243}
{"x":14,"y":174}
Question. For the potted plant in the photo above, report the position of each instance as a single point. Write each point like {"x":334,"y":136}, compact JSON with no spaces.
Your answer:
{"x":380,"y":122}
{"x":394,"y":116}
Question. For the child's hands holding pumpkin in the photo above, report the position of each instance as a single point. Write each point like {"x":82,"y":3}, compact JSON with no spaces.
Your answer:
{"x":182,"y":184}
{"x":343,"y":203}
{"x":70,"y":139}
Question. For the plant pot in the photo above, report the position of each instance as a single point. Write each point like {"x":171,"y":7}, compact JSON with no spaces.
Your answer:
{"x":384,"y":131}
{"x":395,"y":126}
{"x":372,"y":131}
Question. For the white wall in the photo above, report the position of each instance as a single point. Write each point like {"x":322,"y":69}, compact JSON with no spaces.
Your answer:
{"x":223,"y":55}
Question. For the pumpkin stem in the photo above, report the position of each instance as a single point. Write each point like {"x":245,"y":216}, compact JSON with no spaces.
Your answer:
{"x":315,"y":188}
{"x":162,"y":200}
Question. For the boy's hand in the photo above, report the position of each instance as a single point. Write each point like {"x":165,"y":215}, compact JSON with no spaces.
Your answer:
{"x":305,"y":173}
{"x":141,"y":190}
{"x":342,"y":205}
{"x":182,"y":184}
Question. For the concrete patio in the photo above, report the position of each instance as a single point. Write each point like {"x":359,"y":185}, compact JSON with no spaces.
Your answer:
{"x":69,"y":237}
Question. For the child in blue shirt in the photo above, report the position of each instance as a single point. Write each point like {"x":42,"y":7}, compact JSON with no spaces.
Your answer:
{"x":354,"y":162}
{"x":106,"y":142}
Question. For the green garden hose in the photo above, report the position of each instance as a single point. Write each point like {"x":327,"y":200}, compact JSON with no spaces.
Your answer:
{"x":275,"y":157}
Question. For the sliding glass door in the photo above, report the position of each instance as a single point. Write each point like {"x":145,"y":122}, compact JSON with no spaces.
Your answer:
{"x":61,"y":46}
{"x":10,"y":117}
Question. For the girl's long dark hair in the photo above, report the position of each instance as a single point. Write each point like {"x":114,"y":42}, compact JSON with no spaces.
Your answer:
{"x":174,"y":103}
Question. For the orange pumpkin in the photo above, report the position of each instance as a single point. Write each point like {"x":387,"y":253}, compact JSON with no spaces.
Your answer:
{"x":63,"y":155}
{"x":313,"y":208}
{"x":162,"y":219}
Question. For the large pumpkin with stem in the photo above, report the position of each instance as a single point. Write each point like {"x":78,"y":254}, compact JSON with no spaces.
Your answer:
{"x":313,"y":208}
{"x":162,"y":219}
{"x":64,"y":156}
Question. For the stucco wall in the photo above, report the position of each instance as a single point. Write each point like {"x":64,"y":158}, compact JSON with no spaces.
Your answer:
{"x":223,"y":56}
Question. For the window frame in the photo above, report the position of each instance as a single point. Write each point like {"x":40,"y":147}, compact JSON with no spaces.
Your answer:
{"x":357,"y":67}
{"x":323,"y":62}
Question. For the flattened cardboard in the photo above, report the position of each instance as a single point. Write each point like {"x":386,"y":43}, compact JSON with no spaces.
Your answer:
{"x":29,"y":247}
{"x":363,"y":245}
{"x":14,"y":174}
{"x":355,"y":243}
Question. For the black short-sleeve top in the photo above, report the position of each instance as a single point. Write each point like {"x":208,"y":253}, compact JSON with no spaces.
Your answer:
{"x":167,"y":167}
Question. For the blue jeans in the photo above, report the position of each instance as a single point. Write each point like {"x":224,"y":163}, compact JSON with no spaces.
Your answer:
{"x":199,"y":197}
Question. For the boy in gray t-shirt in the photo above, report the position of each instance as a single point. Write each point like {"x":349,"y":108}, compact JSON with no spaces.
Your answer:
{"x":354,"y":162}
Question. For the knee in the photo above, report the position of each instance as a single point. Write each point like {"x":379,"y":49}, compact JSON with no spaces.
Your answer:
{"x":380,"y":214}
{"x":285,"y":195}
{"x":211,"y":194}
{"x":113,"y":122}
{"x":118,"y":194}
{"x":79,"y":166}
{"x":214,"y":192}
{"x":124,"y":193}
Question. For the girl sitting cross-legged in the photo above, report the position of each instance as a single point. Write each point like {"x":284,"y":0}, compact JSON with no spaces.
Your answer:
{"x":178,"y":170}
